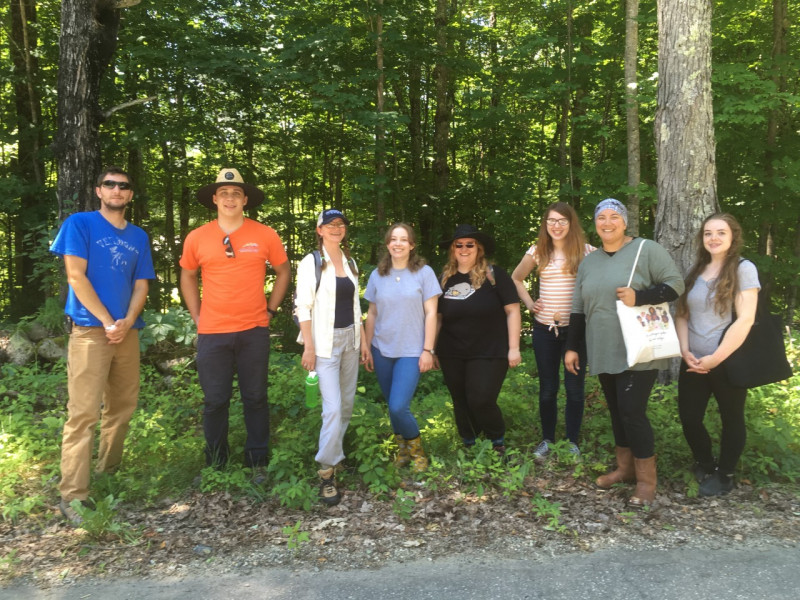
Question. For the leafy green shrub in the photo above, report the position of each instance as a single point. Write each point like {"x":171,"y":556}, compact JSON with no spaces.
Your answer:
{"x":167,"y":331}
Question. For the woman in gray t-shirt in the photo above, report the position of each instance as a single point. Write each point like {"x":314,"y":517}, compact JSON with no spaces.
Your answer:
{"x":400,"y":330}
{"x":721,"y":290}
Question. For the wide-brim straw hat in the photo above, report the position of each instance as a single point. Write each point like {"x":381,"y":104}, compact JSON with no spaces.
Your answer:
{"x":206,"y":193}
{"x":470,"y":231}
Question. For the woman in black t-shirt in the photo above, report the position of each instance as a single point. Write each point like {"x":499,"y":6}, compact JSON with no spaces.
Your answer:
{"x":479,"y":331}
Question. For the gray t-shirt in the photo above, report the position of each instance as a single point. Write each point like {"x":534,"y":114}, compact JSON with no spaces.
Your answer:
{"x":705,"y":325}
{"x":399,"y":298}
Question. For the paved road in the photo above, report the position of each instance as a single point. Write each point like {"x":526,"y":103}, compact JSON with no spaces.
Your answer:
{"x":769,"y":572}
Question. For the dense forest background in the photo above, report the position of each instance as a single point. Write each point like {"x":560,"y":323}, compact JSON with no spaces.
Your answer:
{"x":433,"y":112}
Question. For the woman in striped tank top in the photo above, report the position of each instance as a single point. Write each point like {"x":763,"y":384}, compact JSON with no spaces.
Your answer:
{"x":555,"y":256}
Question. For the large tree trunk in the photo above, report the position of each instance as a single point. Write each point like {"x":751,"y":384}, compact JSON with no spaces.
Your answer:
{"x":441,"y":120}
{"x":87,"y":45}
{"x":684,"y":126}
{"x":632,"y":111}
{"x":380,"y":133}
{"x":25,"y":285}
{"x":770,"y":193}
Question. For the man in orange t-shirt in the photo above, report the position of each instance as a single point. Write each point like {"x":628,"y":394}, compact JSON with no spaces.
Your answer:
{"x":230,"y":254}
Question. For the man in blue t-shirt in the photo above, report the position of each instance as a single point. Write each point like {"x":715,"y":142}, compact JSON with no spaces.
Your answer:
{"x":108,"y":265}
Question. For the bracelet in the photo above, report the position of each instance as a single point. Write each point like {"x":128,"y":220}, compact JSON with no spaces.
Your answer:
{"x":273,"y":313}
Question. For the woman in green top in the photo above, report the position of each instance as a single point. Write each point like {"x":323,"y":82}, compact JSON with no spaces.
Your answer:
{"x":600,"y":282}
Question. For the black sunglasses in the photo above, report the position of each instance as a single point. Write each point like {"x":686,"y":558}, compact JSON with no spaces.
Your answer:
{"x":110,"y":184}
{"x":468,"y":245}
{"x":228,"y":247}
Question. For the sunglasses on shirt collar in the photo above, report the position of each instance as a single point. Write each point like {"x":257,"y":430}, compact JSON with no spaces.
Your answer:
{"x":228,"y":247}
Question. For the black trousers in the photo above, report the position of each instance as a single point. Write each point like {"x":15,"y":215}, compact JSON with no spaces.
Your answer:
{"x":694,"y":392}
{"x":627,"y":394}
{"x":474,"y":385}
{"x":219,"y":357}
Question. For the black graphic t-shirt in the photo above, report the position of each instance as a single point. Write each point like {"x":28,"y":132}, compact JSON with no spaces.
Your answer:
{"x":474,"y":321}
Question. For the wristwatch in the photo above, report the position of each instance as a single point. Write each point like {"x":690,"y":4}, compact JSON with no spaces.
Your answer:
{"x":272,"y":313}
{"x":433,"y":353}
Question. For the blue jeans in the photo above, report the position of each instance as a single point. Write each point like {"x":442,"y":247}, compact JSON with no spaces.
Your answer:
{"x":219,"y":356}
{"x":549,"y":351}
{"x":398,"y":379}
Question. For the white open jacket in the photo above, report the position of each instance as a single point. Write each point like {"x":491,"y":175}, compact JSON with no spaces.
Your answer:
{"x":320,"y":306}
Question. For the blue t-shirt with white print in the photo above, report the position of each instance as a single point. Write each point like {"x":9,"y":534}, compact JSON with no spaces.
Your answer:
{"x":115,"y":259}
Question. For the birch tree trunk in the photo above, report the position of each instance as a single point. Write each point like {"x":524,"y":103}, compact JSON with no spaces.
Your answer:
{"x":684,"y":126}
{"x":632,"y":112}
{"x":441,"y":132}
{"x":87,"y":45}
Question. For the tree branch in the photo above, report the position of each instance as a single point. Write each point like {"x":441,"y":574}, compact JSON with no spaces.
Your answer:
{"x":119,"y":107}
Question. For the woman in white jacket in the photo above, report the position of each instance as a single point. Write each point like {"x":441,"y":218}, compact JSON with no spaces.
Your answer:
{"x":329,"y":316}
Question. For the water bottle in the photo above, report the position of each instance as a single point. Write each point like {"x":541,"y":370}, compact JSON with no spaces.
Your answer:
{"x":312,"y":390}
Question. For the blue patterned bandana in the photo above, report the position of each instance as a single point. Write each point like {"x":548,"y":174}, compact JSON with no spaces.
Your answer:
{"x":615,"y":205}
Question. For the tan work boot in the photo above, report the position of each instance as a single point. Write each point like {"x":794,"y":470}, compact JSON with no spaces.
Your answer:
{"x":417,"y":454}
{"x":328,"y":493}
{"x":646,"y":479}
{"x":403,"y":458}
{"x":624,"y":473}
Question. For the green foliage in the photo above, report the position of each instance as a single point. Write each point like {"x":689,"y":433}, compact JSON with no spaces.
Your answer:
{"x":295,"y":537}
{"x":404,"y":503}
{"x":549,"y":512}
{"x":164,"y":448}
{"x":167,"y":329}
{"x":102,"y":522}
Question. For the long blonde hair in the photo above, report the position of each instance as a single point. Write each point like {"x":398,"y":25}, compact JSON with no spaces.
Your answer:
{"x":477,"y":275}
{"x":726,"y":286}
{"x":574,"y":242}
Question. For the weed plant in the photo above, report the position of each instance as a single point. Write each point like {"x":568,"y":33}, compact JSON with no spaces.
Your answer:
{"x":164,"y":448}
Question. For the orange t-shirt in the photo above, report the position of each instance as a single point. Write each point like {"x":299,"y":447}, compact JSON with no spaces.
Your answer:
{"x":233,"y":296}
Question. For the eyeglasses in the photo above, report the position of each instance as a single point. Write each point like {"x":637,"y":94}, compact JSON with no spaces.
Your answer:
{"x":228,"y":247}
{"x":110,"y":184}
{"x":335,"y":225}
{"x":467,"y":245}
{"x":554,"y":222}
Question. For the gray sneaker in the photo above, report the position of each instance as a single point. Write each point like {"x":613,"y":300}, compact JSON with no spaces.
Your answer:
{"x":542,"y":450}
{"x":574,"y":450}
{"x":70,"y":514}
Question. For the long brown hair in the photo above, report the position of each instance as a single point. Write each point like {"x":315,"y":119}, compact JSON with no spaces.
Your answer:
{"x":574,"y":242}
{"x":726,"y":286}
{"x":415,"y":261}
{"x":477,"y":275}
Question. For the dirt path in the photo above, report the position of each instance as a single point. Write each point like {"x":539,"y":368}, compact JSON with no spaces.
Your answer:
{"x":215,"y":535}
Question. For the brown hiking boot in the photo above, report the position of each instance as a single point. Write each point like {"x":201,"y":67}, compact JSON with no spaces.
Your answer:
{"x":328,"y":492}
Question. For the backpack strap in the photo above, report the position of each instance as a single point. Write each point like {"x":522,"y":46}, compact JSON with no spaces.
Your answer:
{"x":317,"y":267}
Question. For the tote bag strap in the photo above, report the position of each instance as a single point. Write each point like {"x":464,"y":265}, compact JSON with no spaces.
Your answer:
{"x":635,"y":262}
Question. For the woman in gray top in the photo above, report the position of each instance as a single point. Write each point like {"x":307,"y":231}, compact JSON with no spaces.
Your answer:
{"x":721,"y":290}
{"x":601,"y":278}
{"x":400,"y":330}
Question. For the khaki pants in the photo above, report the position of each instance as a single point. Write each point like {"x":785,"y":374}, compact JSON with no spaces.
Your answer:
{"x":103,"y":384}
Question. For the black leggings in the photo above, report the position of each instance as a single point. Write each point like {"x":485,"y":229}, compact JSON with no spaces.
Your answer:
{"x":474,"y":385}
{"x":627,"y":394}
{"x":694,"y":392}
